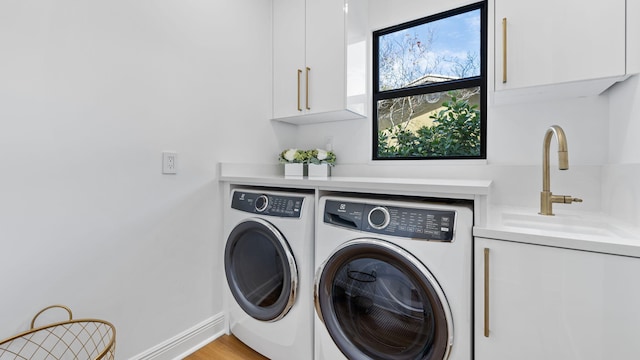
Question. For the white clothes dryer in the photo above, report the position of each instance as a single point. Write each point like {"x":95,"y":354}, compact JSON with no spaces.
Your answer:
{"x":393,"y":279}
{"x":268,"y":262}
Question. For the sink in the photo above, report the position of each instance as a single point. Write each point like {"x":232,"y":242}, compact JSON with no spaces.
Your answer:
{"x":567,"y":224}
{"x":569,"y":229}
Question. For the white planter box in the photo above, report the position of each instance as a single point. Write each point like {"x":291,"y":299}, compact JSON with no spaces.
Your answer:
{"x":319,"y":171}
{"x":294,"y":171}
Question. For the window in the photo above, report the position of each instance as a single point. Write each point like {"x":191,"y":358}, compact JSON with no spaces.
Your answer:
{"x":429,"y":87}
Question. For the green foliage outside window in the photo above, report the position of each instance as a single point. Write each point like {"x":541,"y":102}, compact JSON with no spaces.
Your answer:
{"x":455,"y":131}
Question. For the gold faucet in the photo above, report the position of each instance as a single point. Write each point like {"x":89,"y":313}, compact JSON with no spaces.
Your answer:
{"x":546,"y":197}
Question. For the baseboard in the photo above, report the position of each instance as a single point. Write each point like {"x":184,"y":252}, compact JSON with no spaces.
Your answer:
{"x":187,"y":342}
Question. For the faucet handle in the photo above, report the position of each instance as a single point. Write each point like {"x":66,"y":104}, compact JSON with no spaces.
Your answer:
{"x":564,"y":199}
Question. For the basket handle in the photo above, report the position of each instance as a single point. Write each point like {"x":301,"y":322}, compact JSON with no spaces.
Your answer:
{"x":51,"y":307}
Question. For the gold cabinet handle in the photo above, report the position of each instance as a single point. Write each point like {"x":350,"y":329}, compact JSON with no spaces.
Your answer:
{"x":486,"y":292}
{"x":504,"y":50}
{"x":299,"y":75}
{"x":307,"y":85}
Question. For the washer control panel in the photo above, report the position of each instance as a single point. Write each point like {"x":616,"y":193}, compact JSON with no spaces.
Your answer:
{"x":417,"y":223}
{"x":267,"y":204}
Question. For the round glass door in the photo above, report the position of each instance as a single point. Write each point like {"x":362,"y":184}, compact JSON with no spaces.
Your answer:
{"x":260,"y":269}
{"x":378,"y":301}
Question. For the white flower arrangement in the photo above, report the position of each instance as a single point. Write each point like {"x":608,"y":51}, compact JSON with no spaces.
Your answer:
{"x":293,"y":156}
{"x":320,"y":156}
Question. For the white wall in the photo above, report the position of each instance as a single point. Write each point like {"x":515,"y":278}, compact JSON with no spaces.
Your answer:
{"x":91,"y":93}
{"x":624,"y":113}
{"x":621,"y":180}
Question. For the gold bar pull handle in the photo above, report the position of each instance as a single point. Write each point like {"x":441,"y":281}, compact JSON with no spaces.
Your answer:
{"x":299,"y":76}
{"x":486,"y":292}
{"x":504,"y":50}
{"x":307,"y":80}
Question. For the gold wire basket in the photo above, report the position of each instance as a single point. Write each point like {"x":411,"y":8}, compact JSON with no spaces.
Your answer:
{"x":83,"y":339}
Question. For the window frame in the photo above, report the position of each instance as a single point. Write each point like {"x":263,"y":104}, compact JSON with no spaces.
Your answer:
{"x":475,"y":81}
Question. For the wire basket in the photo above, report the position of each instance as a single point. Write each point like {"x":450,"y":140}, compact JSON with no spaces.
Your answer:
{"x":83,"y":339}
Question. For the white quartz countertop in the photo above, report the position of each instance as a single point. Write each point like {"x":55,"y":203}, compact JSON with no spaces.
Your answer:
{"x":577,"y":230}
{"x":453,"y":188}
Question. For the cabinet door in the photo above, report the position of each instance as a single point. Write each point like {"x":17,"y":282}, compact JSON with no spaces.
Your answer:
{"x":551,"y":42}
{"x":633,"y":36}
{"x":325,"y":55}
{"x":288,"y":57}
{"x":551,"y":303}
{"x":323,"y":44}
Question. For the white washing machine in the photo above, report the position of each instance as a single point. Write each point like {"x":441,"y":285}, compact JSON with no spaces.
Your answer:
{"x":393,"y":279}
{"x":269,"y":268}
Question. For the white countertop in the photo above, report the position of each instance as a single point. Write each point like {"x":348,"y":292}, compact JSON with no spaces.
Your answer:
{"x":269,"y":175}
{"x":424,"y":187}
{"x":566,"y":229}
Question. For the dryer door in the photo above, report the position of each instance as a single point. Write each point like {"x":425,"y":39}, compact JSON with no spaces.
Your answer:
{"x":378,"y":301}
{"x":261,"y":270}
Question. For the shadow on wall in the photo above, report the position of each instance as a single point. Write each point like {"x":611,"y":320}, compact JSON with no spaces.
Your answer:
{"x":286,"y":136}
{"x":621,"y":192}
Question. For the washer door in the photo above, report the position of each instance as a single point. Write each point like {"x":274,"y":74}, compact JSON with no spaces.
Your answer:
{"x":261,"y":270}
{"x":378,"y":301}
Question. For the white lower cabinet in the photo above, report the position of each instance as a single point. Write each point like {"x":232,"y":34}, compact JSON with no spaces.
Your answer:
{"x":539,"y":302}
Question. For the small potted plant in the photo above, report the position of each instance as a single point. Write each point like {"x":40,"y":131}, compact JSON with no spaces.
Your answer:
{"x":293,"y":160}
{"x":320,"y":163}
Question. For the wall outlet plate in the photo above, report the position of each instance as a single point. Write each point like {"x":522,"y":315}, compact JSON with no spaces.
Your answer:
{"x":169,"y":162}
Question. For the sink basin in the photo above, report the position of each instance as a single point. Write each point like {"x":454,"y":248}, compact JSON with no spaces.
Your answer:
{"x":589,"y":225}
{"x":569,"y":229}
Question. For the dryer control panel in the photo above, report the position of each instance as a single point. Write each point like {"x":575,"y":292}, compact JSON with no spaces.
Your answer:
{"x":416,"y":223}
{"x":267,"y":204}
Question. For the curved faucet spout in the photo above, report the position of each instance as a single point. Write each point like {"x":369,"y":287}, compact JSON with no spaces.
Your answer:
{"x":546,"y":197}
{"x":563,"y":154}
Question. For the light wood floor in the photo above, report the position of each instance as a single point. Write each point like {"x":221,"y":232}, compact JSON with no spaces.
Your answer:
{"x":226,"y":347}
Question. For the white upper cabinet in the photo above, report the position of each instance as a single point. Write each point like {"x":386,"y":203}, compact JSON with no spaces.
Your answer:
{"x":633,"y":36}
{"x":288,"y":57}
{"x":319,"y":60}
{"x":580,"y":46}
{"x":538,"y":302}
